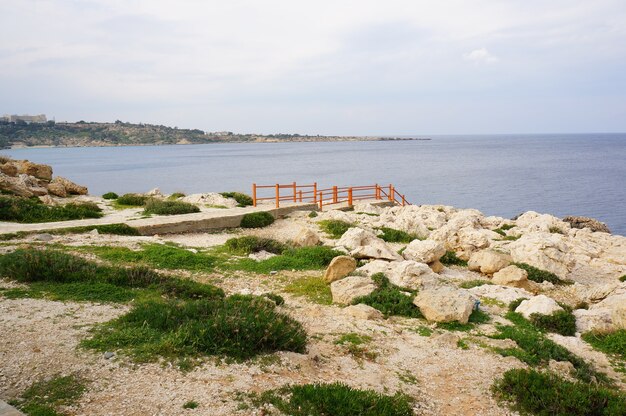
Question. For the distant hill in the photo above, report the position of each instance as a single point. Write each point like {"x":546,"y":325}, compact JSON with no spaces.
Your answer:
{"x":82,"y":134}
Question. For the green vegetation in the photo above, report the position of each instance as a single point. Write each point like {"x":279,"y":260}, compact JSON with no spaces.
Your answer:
{"x":474,"y":283}
{"x":160,"y":207}
{"x":191,"y":404}
{"x":131,"y":200}
{"x":243,"y":200}
{"x":423,"y":331}
{"x":312,"y":214}
{"x":32,"y":210}
{"x":560,"y":322}
{"x":334,"y":228}
{"x":501,"y":230}
{"x":302,"y":258}
{"x":392,"y":235}
{"x":177,"y":195}
{"x":257,"y":220}
{"x":110,"y":195}
{"x":312,"y":288}
{"x":555,"y":230}
{"x":238,"y":326}
{"x":62,"y":276}
{"x":477,"y":317}
{"x":390,"y":299}
{"x":43,"y":398}
{"x":612,"y":343}
{"x":250,"y":244}
{"x":451,"y":259}
{"x":335,"y":399}
{"x":538,"y":275}
{"x":535,"y":349}
{"x":355,"y":345}
{"x":277,"y":299}
{"x":532,"y":392}
{"x":623,"y":278}
{"x":116,"y":229}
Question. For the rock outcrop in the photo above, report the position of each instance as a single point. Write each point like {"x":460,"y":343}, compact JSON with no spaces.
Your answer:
{"x":445,"y":304}
{"x":488,"y":262}
{"x":540,"y":304}
{"x":586,"y":222}
{"x":345,"y":290}
{"x":26,"y":179}
{"x":339,"y":267}
{"x":306,"y":238}
{"x":407,"y":274}
{"x":426,"y":251}
{"x":365,"y":245}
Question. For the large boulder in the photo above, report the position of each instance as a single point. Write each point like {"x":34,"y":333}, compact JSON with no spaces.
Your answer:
{"x":344,"y":291}
{"x":540,"y":304}
{"x":407,"y":274}
{"x":365,"y":245}
{"x":21,"y":185}
{"x":597,"y":320}
{"x":426,"y":251}
{"x":62,"y":187}
{"x":616,"y":305}
{"x":339,"y":267}
{"x":546,"y":251}
{"x":306,"y":238}
{"x":445,"y":304}
{"x":36,"y":170}
{"x":512,"y":276}
{"x":534,"y":222}
{"x":488,"y":261}
{"x":586,"y":222}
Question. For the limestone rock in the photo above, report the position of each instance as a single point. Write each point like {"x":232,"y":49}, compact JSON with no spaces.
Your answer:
{"x":57,"y":189}
{"x":503,"y":294}
{"x":445,"y":304}
{"x":436,"y":266}
{"x":512,"y":276}
{"x":547,"y":251}
{"x":426,"y":251}
{"x":540,"y":304}
{"x":261,"y":255}
{"x":155,"y":193}
{"x":448,"y":339}
{"x":344,"y":291}
{"x":8,"y":169}
{"x":594,"y":320}
{"x":36,"y":170}
{"x":407,"y":274}
{"x":488,"y":262}
{"x":364,"y":244}
{"x":363,"y":311}
{"x":586,"y":222}
{"x":616,"y":305}
{"x":534,"y":222}
{"x":306,"y":238}
{"x":211,"y":199}
{"x":69,"y":187}
{"x":43,"y":237}
{"x":339,"y":267}
{"x":48,"y":200}
{"x":21,"y":185}
{"x":562,"y":368}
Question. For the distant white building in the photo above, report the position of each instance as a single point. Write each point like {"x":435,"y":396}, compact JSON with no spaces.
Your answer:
{"x":41,"y":118}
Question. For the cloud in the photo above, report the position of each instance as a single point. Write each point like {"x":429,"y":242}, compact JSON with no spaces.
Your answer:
{"x":481,"y":56}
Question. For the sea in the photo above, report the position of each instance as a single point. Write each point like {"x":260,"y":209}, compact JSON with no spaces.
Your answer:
{"x":504,"y":175}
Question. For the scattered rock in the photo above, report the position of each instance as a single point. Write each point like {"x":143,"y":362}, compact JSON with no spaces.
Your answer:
{"x":488,"y":262}
{"x":616,"y":305}
{"x":562,"y":368}
{"x":586,"y":222}
{"x":156,"y":192}
{"x":362,"y":311}
{"x":448,"y":339}
{"x":108,"y":355}
{"x":540,"y":304}
{"x":407,"y":274}
{"x":594,"y":320}
{"x":36,"y":170}
{"x":546,"y":251}
{"x":513,"y":276}
{"x":365,"y":245}
{"x":436,"y":266}
{"x":445,"y":304}
{"x":43,"y":237}
{"x":426,"y":251}
{"x":339,"y":267}
{"x":503,"y":294}
{"x":306,"y":238}
{"x":48,"y":200}
{"x":94,"y":232}
{"x":211,"y":199}
{"x":62,"y":187}
{"x":261,"y":255}
{"x":344,"y":291}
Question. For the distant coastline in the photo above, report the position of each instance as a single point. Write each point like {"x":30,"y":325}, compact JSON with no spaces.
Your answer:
{"x":94,"y":134}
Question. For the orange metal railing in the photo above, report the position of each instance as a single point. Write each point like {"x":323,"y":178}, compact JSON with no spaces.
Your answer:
{"x":326,"y":196}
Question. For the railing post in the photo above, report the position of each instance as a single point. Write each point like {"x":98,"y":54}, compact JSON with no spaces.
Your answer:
{"x":391,"y":196}
{"x":315,"y":192}
{"x":294,"y":192}
{"x":300,"y":196}
{"x":334,"y":194}
{"x":277,"y":196}
{"x":403,"y":201}
{"x":254,"y":194}
{"x":321,"y":201}
{"x":377,"y":191}
{"x":350,"y":196}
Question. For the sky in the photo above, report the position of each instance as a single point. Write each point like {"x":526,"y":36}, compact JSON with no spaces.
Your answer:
{"x":345,"y":67}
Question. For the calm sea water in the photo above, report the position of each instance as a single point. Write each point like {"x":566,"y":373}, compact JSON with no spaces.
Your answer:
{"x":499,"y":175}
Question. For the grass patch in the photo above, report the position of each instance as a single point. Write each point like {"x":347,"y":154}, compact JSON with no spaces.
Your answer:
{"x":532,"y":392}
{"x":355,"y":345}
{"x":110,"y":195}
{"x":131,"y":200}
{"x":302,"y":258}
{"x":239,"y":327}
{"x":159,"y":207}
{"x":392,"y":235}
{"x":243,"y":200}
{"x":538,"y":275}
{"x":560,"y":322}
{"x":115,"y":229}
{"x":251,"y":244}
{"x":334,"y":228}
{"x":257,"y":220}
{"x":612,"y":343}
{"x":451,"y":259}
{"x":43,"y":398}
{"x":177,"y":195}
{"x":191,"y":404}
{"x":335,"y":399}
{"x":32,"y":210}
{"x":477,"y":317}
{"x":312,"y":214}
{"x":423,"y":331}
{"x":474,"y":283}
{"x":312,"y":288}
{"x":390,"y":299}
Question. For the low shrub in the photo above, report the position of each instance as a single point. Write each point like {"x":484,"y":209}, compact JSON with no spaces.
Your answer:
{"x":302,"y":258}
{"x":451,"y":259}
{"x":110,"y":195}
{"x":477,"y":317}
{"x":335,"y":399}
{"x":43,"y":398}
{"x":334,"y":228}
{"x":561,"y":322}
{"x":392,"y":235}
{"x":611,"y":343}
{"x":32,"y":210}
{"x":243,"y":200}
{"x":312,"y":214}
{"x":132,"y":200}
{"x":257,"y":220}
{"x":160,"y":207}
{"x":390,"y":299}
{"x":177,"y":195}
{"x":538,"y":275}
{"x":115,"y":229}
{"x":239,"y":327}
{"x":251,"y":244}
{"x":532,"y":392}
{"x":623,"y":278}
{"x":160,"y":256}
{"x":313,"y":288}
{"x":191,"y":404}
{"x":277,"y":299}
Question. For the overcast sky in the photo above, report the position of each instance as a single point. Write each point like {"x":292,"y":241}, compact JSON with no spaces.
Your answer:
{"x":320,"y":67}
